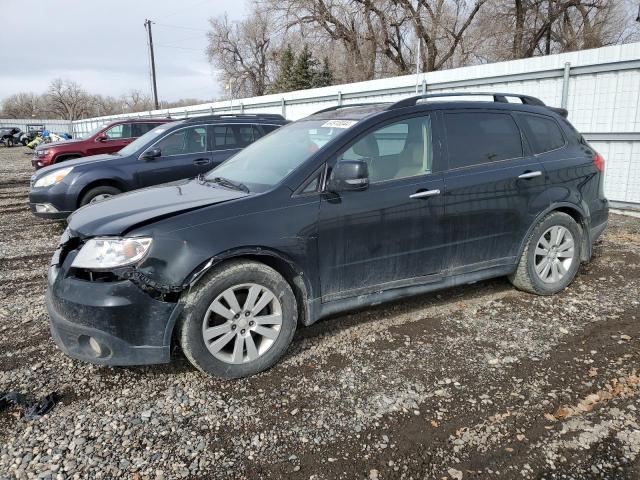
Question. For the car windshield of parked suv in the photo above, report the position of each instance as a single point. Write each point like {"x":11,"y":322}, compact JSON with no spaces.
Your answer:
{"x":140,"y":142}
{"x":268,"y":161}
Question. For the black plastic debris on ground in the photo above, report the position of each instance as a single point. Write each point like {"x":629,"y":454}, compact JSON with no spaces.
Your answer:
{"x":31,"y":409}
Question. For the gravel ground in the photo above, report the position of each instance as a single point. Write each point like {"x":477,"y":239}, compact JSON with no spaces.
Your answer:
{"x":471,"y":382}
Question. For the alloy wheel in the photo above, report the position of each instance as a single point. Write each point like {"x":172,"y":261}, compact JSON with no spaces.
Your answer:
{"x":99,"y":198}
{"x":242,"y":323}
{"x":554,"y":254}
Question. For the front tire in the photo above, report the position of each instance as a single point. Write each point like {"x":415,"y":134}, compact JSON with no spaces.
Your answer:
{"x":551,"y":258}
{"x":239,"y":320}
{"x":97,"y":194}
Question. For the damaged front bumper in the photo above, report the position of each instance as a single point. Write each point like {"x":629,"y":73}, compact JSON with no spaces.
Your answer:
{"x":113,"y":322}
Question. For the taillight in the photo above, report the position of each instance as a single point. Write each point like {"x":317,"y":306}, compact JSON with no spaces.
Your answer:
{"x":598,"y":161}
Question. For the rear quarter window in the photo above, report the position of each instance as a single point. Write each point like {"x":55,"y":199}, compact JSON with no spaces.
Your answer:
{"x":543,"y":133}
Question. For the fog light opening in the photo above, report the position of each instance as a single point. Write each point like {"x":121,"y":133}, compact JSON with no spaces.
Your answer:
{"x":45,"y":208}
{"x":91,"y":347}
{"x":95,"y":346}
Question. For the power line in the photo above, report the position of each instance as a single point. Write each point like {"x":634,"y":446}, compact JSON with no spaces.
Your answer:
{"x":183,"y":10}
{"x":180,"y":27}
{"x":179,"y":48}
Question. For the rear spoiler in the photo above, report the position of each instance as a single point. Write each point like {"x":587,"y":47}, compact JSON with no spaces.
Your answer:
{"x":560,"y":111}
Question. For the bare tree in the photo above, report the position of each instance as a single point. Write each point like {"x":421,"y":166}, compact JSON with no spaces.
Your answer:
{"x":23,"y":105}
{"x":243,"y":53}
{"x":440,"y":25}
{"x":331,"y":23}
{"x":525,"y":28}
{"x":136,"y":101}
{"x":68,"y":100}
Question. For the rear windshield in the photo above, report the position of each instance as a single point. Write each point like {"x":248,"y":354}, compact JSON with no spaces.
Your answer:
{"x":269,"y":160}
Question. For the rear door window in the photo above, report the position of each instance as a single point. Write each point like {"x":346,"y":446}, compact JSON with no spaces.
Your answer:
{"x":118,"y":132}
{"x":247,"y":134}
{"x":543,"y":133}
{"x":474,"y":138}
{"x":224,"y":137}
{"x":139,"y":129}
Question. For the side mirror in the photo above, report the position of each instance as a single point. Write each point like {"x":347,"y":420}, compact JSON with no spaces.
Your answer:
{"x":102,"y":138}
{"x":150,"y":154}
{"x":349,"y":175}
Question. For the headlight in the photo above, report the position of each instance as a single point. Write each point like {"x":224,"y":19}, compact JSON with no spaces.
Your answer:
{"x":42,"y":153}
{"x":53,"y":177}
{"x":105,"y":253}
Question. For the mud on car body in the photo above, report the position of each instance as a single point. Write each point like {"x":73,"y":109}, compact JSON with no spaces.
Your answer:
{"x":347,"y":208}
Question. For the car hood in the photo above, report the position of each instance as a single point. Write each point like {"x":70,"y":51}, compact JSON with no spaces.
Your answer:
{"x":75,"y":163}
{"x":119,"y":214}
{"x":46,"y":146}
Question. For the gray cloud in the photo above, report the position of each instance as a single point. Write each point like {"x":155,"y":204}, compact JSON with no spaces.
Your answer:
{"x":102,"y":45}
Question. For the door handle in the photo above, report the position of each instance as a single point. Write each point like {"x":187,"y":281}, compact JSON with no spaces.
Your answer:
{"x":526,"y":175}
{"x":201,"y":161}
{"x":425,"y":193}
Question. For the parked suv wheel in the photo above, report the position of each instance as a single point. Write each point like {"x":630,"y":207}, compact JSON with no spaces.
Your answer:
{"x":239,"y":320}
{"x":551,"y":257}
{"x":98,"y":194}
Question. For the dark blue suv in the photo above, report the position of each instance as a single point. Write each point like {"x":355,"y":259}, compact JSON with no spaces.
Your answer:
{"x":347,"y":208}
{"x":169,"y":152}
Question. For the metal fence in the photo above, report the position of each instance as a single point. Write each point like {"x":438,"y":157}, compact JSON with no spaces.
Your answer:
{"x":599,"y":87}
{"x":28,"y":124}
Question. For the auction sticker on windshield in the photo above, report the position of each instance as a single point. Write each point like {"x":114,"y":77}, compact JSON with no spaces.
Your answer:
{"x":339,"y":123}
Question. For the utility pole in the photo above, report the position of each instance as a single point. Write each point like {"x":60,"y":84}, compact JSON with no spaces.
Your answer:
{"x":418,"y":56}
{"x":147,"y":26}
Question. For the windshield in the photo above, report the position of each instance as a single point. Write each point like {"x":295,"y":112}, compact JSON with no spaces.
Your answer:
{"x":93,"y":132}
{"x":268,"y":161}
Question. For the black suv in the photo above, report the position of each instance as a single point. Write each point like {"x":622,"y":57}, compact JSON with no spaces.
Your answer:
{"x":347,"y":208}
{"x":168,"y":152}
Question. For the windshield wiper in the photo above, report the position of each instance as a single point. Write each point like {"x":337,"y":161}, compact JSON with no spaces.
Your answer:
{"x":225,"y":182}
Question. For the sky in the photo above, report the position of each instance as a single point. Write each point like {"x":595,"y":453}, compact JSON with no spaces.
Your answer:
{"x":103,"y":45}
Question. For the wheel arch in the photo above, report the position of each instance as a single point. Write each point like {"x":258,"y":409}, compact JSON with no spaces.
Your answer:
{"x":574,"y":211}
{"x":281,"y":263}
{"x":99,"y":182}
{"x":61,"y":157}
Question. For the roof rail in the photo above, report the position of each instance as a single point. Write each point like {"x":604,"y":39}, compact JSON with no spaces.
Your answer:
{"x":497,"y":97}
{"x":263,"y":116}
{"x":337,"y":107}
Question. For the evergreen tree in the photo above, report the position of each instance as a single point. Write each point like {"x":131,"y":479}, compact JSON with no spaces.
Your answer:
{"x":303,"y":71}
{"x":284,"y":79}
{"x":323,"y":77}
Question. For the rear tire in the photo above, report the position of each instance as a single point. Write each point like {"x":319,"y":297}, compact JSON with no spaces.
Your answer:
{"x":551,"y":257}
{"x":226,"y":332}
{"x":99,"y":193}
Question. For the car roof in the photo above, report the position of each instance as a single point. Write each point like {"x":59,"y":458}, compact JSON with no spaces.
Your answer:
{"x":270,"y":118}
{"x":140,"y":120}
{"x":439,"y":101}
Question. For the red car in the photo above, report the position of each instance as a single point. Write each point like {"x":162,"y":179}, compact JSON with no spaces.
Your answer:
{"x":107,"y":138}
